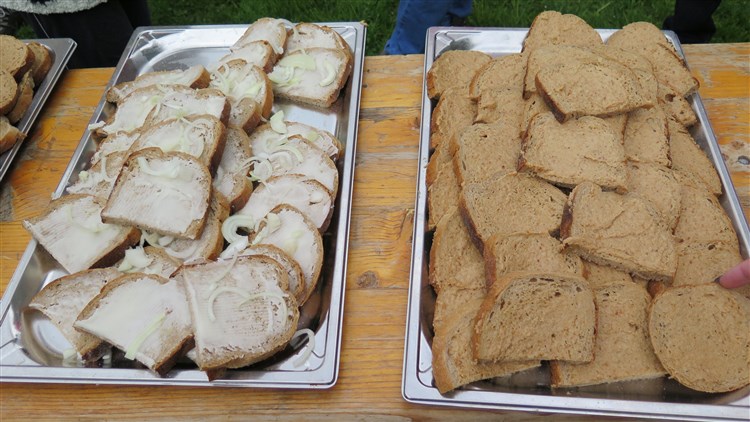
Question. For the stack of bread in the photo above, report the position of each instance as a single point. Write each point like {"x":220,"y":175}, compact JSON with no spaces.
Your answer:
{"x":22,"y":68}
{"x":576,"y":220}
{"x":198,"y":224}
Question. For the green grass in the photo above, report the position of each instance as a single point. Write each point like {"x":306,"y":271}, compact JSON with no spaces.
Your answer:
{"x":732,"y":17}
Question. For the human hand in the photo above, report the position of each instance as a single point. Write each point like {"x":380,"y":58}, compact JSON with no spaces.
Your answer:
{"x":737,"y":276}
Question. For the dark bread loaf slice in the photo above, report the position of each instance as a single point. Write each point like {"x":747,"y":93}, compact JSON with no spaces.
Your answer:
{"x":292,"y":268}
{"x":702,"y":263}
{"x":454,"y":69}
{"x":25,"y":97}
{"x":9,"y":135}
{"x":646,"y":136}
{"x":623,"y":231}
{"x":63,"y":299}
{"x":504,"y":72}
{"x":658,"y":185}
{"x":195,"y":77}
{"x":622,"y":351}
{"x":702,"y":219}
{"x":9,"y":91}
{"x":453,"y":113}
{"x":700,"y":335}
{"x":443,"y":193}
{"x":146,"y":316}
{"x":601,"y":275}
{"x":482,"y":151}
{"x":17,"y":57}
{"x":554,"y":55}
{"x":454,"y":260}
{"x":689,"y":160}
{"x":536,"y":316}
{"x":554,"y":28}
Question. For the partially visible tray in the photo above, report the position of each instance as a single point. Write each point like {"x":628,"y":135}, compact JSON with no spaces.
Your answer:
{"x":529,"y":390}
{"x":61,"y":50}
{"x":31,"y":349}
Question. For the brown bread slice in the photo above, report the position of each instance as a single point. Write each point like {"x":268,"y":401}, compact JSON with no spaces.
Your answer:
{"x":646,"y":137}
{"x":453,"y":113}
{"x":512,"y":203}
{"x":231,"y":175}
{"x":25,"y":97}
{"x":442,"y":194}
{"x":9,"y":135}
{"x":623,"y":231}
{"x":702,"y":263}
{"x":100,"y":178}
{"x":700,"y":335}
{"x":601,"y":275}
{"x":454,"y":260}
{"x":454,"y":69}
{"x":450,"y":303}
{"x":292,"y":268}
{"x":42,"y":61}
{"x":500,"y":105}
{"x":17,"y":58}
{"x":538,"y":252}
{"x":194,"y":77}
{"x":533,"y":106}
{"x":259,"y":53}
{"x":553,"y":28}
{"x":688,"y":159}
{"x":622,"y":351}
{"x":504,"y":72}
{"x":554,"y":55}
{"x":148,"y":260}
{"x":702,"y":219}
{"x":307,"y":35}
{"x":530,"y":316}
{"x":658,"y":185}
{"x":566,"y":154}
{"x":676,"y":106}
{"x":9,"y":91}
{"x":485,"y":150}
{"x":240,"y":81}
{"x":319,"y":85}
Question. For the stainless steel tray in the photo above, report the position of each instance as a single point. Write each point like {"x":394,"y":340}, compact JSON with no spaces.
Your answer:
{"x":61,"y":50}
{"x":31,"y":349}
{"x":529,"y":391}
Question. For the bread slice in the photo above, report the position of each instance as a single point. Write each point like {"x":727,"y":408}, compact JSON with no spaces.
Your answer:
{"x":450,"y":303}
{"x":700,"y":335}
{"x":647,"y":137}
{"x":536,"y":316}
{"x":676,"y":106}
{"x":500,"y":105}
{"x":195,"y":77}
{"x":99,"y":179}
{"x":306,"y":35}
{"x":207,"y":246}
{"x":623,"y":231}
{"x":265,"y":138}
{"x":163,"y":192}
{"x":148,"y":260}
{"x":482,"y":151}
{"x":702,"y":219}
{"x":554,"y":55}
{"x":292,"y":268}
{"x":9,"y":91}
{"x":566,"y":154}
{"x":296,"y":235}
{"x":146,"y":316}
{"x":622,"y":351}
{"x":9,"y":135}
{"x":600,"y":276}
{"x":117,"y":142}
{"x":259,"y":53}
{"x":702,"y":263}
{"x":25,"y":97}
{"x":554,"y":28}
{"x":454,"y":260}
{"x":454,"y":69}
{"x":17,"y":57}
{"x":508,"y":204}
{"x":537,"y":252}
{"x":532,"y":107}
{"x":657,"y":185}
{"x":42,"y":61}
{"x":313,"y":76}
{"x":71,"y":230}
{"x":270,"y":30}
{"x":442,"y":194}
{"x":504,"y":72}
{"x":63,"y":299}
{"x":688,"y":159}
{"x":231,"y":175}
{"x":453,"y":113}
{"x":239,"y":80}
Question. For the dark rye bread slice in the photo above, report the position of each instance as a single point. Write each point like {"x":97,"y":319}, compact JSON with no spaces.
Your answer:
{"x":536,"y":316}
{"x":601,"y":275}
{"x":700,"y":335}
{"x":658,"y":185}
{"x":453,"y":113}
{"x":454,"y":69}
{"x":646,"y":136}
{"x":702,"y":219}
{"x":622,"y":350}
{"x":688,"y":159}
{"x":9,"y":91}
{"x":512,"y":203}
{"x":452,"y":362}
{"x":528,"y":252}
{"x":62,"y":300}
{"x":553,"y":28}
{"x":504,"y":72}
{"x":623,"y":231}
{"x":454,"y":260}
{"x":485,"y":150}
{"x":443,"y":193}
{"x":504,"y":105}
{"x":566,"y":154}
{"x":17,"y":58}
{"x":702,"y":263}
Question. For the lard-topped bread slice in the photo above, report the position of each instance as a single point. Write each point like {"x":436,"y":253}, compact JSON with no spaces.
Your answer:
{"x":148,"y":260}
{"x":144,"y":315}
{"x":100,"y":178}
{"x":309,"y":35}
{"x":313,"y":76}
{"x":482,"y":151}
{"x":454,"y":69}
{"x":454,"y":260}
{"x":554,"y":28}
{"x":117,"y":142}
{"x":270,"y":30}
{"x":239,"y":81}
{"x":231,"y":175}
{"x":72,"y":231}
{"x":292,"y":268}
{"x":266,"y":137}
{"x":194,"y":77}
{"x":259,"y":53}
{"x":688,"y":159}
{"x":163,"y":192}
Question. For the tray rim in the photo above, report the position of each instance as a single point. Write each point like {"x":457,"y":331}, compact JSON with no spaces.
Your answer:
{"x":414,"y":391}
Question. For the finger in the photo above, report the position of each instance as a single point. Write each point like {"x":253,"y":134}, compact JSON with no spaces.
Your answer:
{"x":738,"y":276}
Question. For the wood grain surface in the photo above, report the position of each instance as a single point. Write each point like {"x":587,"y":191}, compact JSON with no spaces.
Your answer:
{"x":369,"y":385}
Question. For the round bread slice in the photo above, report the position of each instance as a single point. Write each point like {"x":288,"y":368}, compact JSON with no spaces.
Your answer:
{"x":700,"y":334}
{"x":9,"y":91}
{"x":17,"y":57}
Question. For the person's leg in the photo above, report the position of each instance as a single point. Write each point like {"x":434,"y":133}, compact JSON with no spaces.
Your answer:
{"x":413,"y":19}
{"x":692,"y":20}
{"x":137,"y":11}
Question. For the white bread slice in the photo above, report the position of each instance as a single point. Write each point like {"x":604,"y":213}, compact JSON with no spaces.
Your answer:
{"x":292,"y":268}
{"x":178,"y":104}
{"x":504,"y":72}
{"x":313,"y":76}
{"x":702,"y":219}
{"x":646,"y":137}
{"x":454,"y":69}
{"x":270,"y":30}
{"x":148,"y":260}
{"x":259,"y":53}
{"x":62,"y":300}
{"x":9,"y":92}
{"x":482,"y":151}
{"x":100,"y":178}
{"x":296,"y":235}
{"x":201,"y":136}
{"x":242,"y":311}
{"x":553,"y":28}
{"x":454,"y":260}
{"x":25,"y":97}
{"x":658,"y":185}
{"x":195,"y":77}
{"x":231,"y":175}
{"x":307,"y":195}
{"x":71,"y":230}
{"x":265,"y":137}
{"x":146,"y":316}
{"x":9,"y":134}
{"x":536,"y":316}
{"x":164,"y":192}
{"x":701,"y":263}
{"x":688,"y":159}
{"x":240,"y":80}
{"x":309,"y":35}
{"x":117,"y":142}
{"x":42,"y":61}
{"x":622,"y":231}
{"x":700,"y":335}
{"x":622,"y":351}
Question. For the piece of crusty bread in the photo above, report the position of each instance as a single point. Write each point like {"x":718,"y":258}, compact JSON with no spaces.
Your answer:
{"x":319,"y":82}
{"x":148,"y":260}
{"x":207,"y":246}
{"x":700,"y":335}
{"x":117,"y":142}
{"x":259,"y":53}
{"x":62,"y":300}
{"x":553,"y":28}
{"x":239,"y":81}
{"x":9,"y":135}
{"x":292,"y":268}
{"x":532,"y":107}
{"x":25,"y":97}
{"x":689,"y":160}
{"x":538,"y":252}
{"x":701,"y":263}
{"x":42,"y":61}
{"x":504,"y":105}
{"x":554,"y":55}
{"x":9,"y":91}
{"x":602,"y":275}
{"x":454,"y":69}
{"x":265,"y":138}
{"x":163,"y":192}
{"x":450,"y":303}
{"x":146,"y":316}
{"x":194,"y":77}
{"x":675,"y":106}
{"x":623,"y":231}
{"x":622,"y":351}
{"x":442,"y":192}
{"x":646,"y":137}
{"x":17,"y":58}
{"x":270,"y":30}
{"x":241,"y":318}
{"x":702,"y":219}
{"x":504,"y":72}
{"x":452,"y":245}
{"x":485,"y":150}
{"x":453,"y":113}
{"x":566,"y":154}
{"x":306,"y":35}
{"x":658,"y":185}
{"x":71,"y":230}
{"x":527,"y":204}
{"x":536,"y":316}
{"x":231,"y":175}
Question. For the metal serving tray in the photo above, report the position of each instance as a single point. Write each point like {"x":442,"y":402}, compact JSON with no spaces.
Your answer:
{"x":31,"y":348}
{"x":529,"y":391}
{"x":61,"y":50}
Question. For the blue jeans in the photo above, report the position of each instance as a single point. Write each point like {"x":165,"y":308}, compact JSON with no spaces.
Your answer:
{"x":415,"y":16}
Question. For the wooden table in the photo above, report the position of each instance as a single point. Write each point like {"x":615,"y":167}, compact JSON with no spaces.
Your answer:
{"x":380,"y":245}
